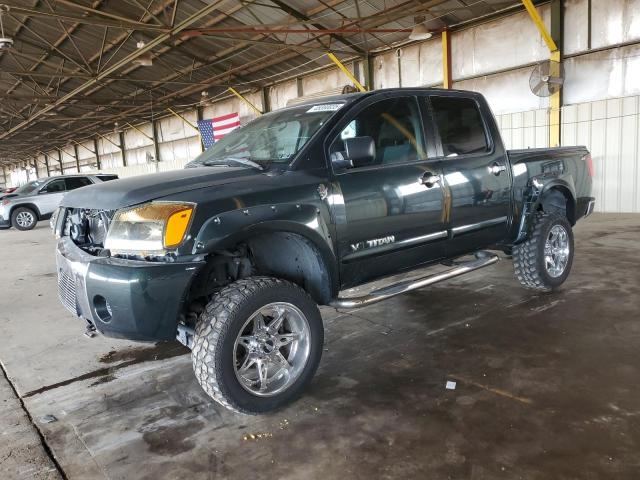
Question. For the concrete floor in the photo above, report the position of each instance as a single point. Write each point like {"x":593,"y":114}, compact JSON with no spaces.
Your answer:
{"x":547,"y":385}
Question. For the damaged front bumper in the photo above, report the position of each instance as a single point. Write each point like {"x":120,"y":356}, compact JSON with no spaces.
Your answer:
{"x":131,"y":299}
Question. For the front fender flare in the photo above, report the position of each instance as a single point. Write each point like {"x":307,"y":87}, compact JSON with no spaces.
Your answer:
{"x":230,"y":228}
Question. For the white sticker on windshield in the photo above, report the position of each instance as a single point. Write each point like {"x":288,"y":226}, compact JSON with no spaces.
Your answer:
{"x":327,"y":107}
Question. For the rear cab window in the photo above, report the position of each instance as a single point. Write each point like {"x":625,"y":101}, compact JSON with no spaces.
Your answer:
{"x":460,"y":126}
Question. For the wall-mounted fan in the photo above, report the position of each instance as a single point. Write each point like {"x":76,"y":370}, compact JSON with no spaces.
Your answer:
{"x":546,"y":78}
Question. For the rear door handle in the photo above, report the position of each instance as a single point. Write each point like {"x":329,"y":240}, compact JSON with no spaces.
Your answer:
{"x":429,"y":179}
{"x":496,"y":168}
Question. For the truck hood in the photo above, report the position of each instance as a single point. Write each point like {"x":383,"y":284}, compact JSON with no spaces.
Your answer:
{"x":135,"y":190}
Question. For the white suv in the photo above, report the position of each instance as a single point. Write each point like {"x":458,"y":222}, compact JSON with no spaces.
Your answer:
{"x":38,"y":199}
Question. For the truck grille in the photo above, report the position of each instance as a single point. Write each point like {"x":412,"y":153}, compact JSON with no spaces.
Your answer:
{"x":67,"y":292}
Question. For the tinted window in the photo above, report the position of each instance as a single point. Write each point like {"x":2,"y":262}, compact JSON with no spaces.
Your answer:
{"x":54,"y":186}
{"x":77,"y":182}
{"x":106,"y":178}
{"x":395,"y":127}
{"x":29,"y":187}
{"x":460,"y":125}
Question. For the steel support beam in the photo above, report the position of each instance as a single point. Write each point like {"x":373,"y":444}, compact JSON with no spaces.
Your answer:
{"x":112,"y":143}
{"x":139,"y":131}
{"x":123,"y":148}
{"x":127,"y":60}
{"x":301,"y":16}
{"x":176,"y":114}
{"x":447,"y":80}
{"x":367,"y":63}
{"x":156,"y":145}
{"x":77,"y":155}
{"x":60,"y":162}
{"x":200,"y":116}
{"x":346,"y":71}
{"x":266,"y":100}
{"x":95,"y":147}
{"x":555,"y":102}
{"x":553,"y":40}
{"x":245,"y":100}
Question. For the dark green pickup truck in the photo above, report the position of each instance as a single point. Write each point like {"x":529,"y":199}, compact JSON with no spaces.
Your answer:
{"x":233,"y":254}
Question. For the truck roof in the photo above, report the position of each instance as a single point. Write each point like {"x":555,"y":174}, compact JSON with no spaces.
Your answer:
{"x":350,"y":97}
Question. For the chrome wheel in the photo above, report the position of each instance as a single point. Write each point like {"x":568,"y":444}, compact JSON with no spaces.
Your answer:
{"x":25,"y":219}
{"x":556,"y":251}
{"x":272,"y":349}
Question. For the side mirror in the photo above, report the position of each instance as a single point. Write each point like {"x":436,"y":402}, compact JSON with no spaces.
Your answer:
{"x":360,"y":150}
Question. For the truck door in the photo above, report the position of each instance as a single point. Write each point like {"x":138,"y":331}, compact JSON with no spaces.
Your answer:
{"x":386,"y":198}
{"x":477,"y":177}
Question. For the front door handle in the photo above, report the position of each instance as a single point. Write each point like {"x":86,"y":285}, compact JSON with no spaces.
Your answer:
{"x":496,"y":168}
{"x":429,"y":179}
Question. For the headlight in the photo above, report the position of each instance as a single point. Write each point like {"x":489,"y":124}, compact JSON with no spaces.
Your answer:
{"x":151,"y":228}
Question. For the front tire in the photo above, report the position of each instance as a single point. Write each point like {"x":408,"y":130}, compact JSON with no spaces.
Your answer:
{"x":257,"y":344}
{"x":543,"y":262}
{"x":23,"y":218}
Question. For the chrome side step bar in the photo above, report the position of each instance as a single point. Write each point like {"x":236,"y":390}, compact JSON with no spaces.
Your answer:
{"x":483,"y":259}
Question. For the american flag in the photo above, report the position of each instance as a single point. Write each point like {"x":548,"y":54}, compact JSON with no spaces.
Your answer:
{"x":215,"y":128}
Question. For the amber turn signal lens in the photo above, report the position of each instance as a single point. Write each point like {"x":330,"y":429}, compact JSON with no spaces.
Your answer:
{"x":176,"y":228}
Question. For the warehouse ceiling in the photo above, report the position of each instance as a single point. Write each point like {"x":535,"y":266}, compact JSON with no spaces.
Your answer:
{"x":79,"y":68}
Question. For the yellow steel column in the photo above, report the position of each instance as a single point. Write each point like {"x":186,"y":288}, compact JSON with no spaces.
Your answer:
{"x":245,"y":100}
{"x":537,"y":20}
{"x":183,"y":119}
{"x":555,"y":104}
{"x":555,"y":57}
{"x":346,"y":71}
{"x":446,"y":59}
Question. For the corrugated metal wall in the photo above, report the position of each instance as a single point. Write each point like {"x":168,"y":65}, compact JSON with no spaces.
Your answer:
{"x":524,"y":129}
{"x":596,"y":118}
{"x":610,"y":129}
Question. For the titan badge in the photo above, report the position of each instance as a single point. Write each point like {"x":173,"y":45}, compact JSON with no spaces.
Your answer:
{"x":376,"y":242}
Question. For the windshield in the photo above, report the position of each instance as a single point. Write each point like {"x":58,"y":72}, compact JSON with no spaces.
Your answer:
{"x":29,"y":187}
{"x":272,"y":138}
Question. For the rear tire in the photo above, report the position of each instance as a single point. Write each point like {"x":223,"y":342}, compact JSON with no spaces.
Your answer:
{"x":257,"y":344}
{"x":543,"y":262}
{"x":23,"y":218}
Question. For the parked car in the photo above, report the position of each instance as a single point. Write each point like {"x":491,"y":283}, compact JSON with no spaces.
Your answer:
{"x":7,"y":192}
{"x":233,"y":254}
{"x":38,"y":199}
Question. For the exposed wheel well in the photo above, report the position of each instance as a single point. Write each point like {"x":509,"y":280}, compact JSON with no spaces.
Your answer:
{"x":285,"y":255}
{"x":559,"y":200}
{"x":294,"y":258}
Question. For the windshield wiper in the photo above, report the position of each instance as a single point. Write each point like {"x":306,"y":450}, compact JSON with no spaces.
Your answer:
{"x":227,"y":160}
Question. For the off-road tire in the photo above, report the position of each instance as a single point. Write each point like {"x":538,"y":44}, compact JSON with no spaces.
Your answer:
{"x":216,"y":331}
{"x":529,"y":257}
{"x":23,"y":210}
